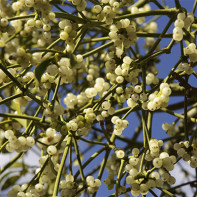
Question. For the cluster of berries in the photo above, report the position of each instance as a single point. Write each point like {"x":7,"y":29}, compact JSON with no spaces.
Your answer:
{"x":93,"y":184}
{"x":100,"y":87}
{"x":18,"y":144}
{"x":119,"y":73}
{"x":50,"y":137}
{"x":123,"y":33}
{"x":113,"y":164}
{"x":68,"y":186}
{"x":170,"y":129}
{"x":142,"y":181}
{"x":185,"y":68}
{"x":156,"y":101}
{"x":3,"y":28}
{"x":109,"y":181}
{"x":72,"y":101}
{"x":136,"y":10}
{"x":68,"y":33}
{"x":108,"y":10}
{"x":182,"y":21}
{"x":187,"y":152}
{"x":19,"y":191}
{"x":120,"y":125}
{"x":79,"y":4}
{"x":191,"y":51}
{"x":57,"y":111}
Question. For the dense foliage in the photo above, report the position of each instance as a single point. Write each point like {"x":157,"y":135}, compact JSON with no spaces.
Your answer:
{"x":71,"y":75}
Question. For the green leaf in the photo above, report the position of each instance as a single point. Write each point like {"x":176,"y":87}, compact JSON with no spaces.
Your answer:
{"x":16,"y":107}
{"x":4,"y":150}
{"x":72,"y":59}
{"x":40,"y":69}
{"x":18,"y":165}
{"x":5,"y":175}
{"x":52,"y":167}
{"x":70,"y":17}
{"x":10,"y":182}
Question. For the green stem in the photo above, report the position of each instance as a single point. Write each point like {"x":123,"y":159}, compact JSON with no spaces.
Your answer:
{"x":8,"y":115}
{"x":56,"y":91}
{"x":118,"y":177}
{"x":12,"y":37}
{"x":141,"y":3}
{"x":60,"y":9}
{"x":21,"y":17}
{"x":92,"y":142}
{"x":157,"y":4}
{"x":145,"y":129}
{"x":129,"y":111}
{"x":166,"y":192}
{"x":144,"y":66}
{"x":192,"y":137}
{"x":181,"y":45}
{"x":153,"y":193}
{"x":11,"y":98}
{"x":169,"y":12}
{"x":181,"y":185}
{"x":46,"y":50}
{"x":3,"y":145}
{"x":194,"y":7}
{"x":57,"y":180}
{"x":161,"y":36}
{"x":95,"y":2}
{"x":31,"y":123}
{"x":172,"y":70}
{"x":97,"y":105}
{"x":24,"y":90}
{"x":88,"y":40}
{"x":70,"y":159}
{"x":102,"y":167}
{"x":104,"y":132}
{"x":6,"y":85}
{"x":142,"y":159}
{"x":148,"y":56}
{"x":38,"y":174}
{"x":70,"y":17}
{"x":177,"y":4}
{"x":133,"y":52}
{"x":51,"y":46}
{"x":82,"y":35}
{"x":4,"y":69}
{"x":154,"y":35}
{"x":150,"y":171}
{"x":104,"y":162}
{"x":177,"y":115}
{"x":144,"y":118}
{"x":149,"y":123}
{"x":185,"y":113}
{"x":97,"y":49}
{"x":78,"y":159}
{"x":89,"y":160}
{"x":5,"y":122}
{"x":11,"y":162}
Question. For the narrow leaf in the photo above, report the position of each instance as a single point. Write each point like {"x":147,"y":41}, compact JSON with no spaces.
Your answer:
{"x":18,"y":165}
{"x":10,"y":182}
{"x":5,"y":175}
{"x":40,"y":69}
{"x":16,"y":107}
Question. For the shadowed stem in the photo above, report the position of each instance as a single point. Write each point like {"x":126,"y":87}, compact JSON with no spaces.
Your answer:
{"x":57,"y":181}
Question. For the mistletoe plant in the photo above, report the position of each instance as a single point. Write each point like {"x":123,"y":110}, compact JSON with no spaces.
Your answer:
{"x":72,"y":73}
